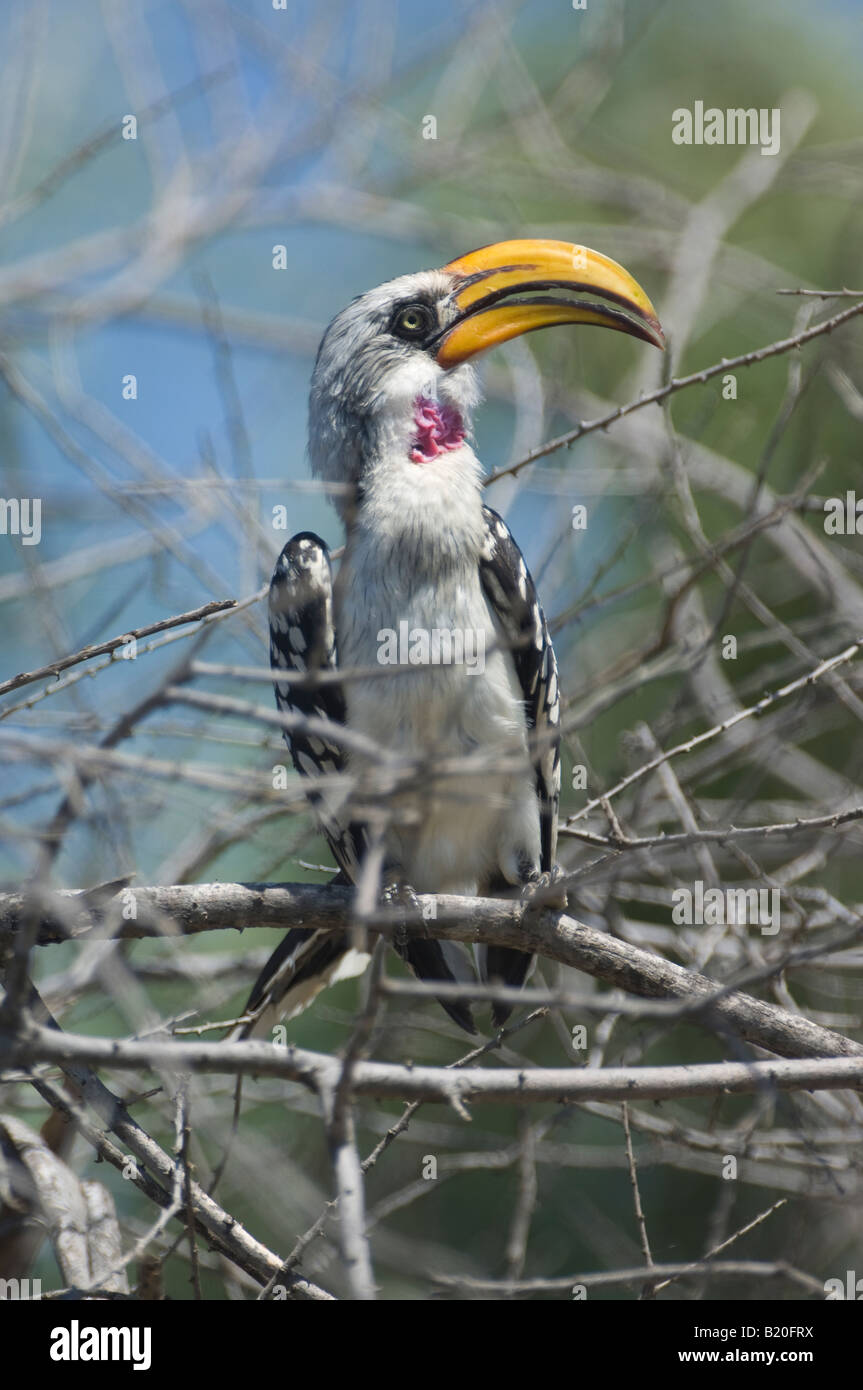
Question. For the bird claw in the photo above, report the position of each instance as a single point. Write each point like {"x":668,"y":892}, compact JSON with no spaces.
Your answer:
{"x":544,"y":891}
{"x":422,"y":953}
{"x":397,"y":893}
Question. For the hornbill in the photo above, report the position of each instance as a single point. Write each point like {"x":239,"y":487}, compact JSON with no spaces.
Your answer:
{"x":392,"y":396}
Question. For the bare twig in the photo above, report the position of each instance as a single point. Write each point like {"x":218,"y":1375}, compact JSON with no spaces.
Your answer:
{"x":113,"y":643}
{"x":395,"y":1080}
{"x":724,"y":365}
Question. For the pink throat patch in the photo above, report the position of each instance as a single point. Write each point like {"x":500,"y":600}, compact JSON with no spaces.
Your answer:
{"x":437,"y":429}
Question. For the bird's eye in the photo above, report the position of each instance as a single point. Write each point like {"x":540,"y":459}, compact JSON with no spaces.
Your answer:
{"x":413,"y":321}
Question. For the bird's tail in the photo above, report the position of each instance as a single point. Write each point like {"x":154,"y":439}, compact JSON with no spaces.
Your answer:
{"x":501,"y":965}
{"x":303,"y":964}
{"x":442,"y":961}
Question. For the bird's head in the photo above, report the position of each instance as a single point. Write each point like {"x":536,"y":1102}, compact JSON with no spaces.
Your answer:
{"x":393,"y":373}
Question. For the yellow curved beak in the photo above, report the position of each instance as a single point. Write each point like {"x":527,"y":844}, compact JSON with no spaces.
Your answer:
{"x":490,"y":279}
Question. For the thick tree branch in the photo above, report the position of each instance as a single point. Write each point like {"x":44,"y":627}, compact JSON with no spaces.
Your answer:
{"x":194,"y":908}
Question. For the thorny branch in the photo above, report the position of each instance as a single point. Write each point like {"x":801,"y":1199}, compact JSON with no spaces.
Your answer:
{"x":726,"y":364}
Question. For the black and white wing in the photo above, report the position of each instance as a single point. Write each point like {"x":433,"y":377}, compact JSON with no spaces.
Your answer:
{"x":512,"y":597}
{"x":302,"y":642}
{"x":511,"y":593}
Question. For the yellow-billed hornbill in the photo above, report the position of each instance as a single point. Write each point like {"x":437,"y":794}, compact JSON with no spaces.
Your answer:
{"x":392,"y":397}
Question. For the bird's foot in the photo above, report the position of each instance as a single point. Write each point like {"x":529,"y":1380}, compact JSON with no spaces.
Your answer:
{"x":545,"y":891}
{"x":425,"y":956}
{"x":398,"y":894}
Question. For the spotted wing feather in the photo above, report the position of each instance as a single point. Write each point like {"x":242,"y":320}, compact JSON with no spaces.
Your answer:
{"x":302,"y":642}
